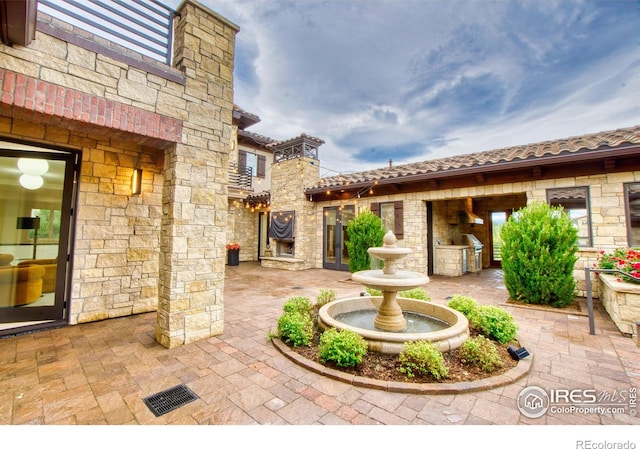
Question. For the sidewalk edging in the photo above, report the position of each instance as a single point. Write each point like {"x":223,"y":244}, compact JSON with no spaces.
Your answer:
{"x":511,"y":376}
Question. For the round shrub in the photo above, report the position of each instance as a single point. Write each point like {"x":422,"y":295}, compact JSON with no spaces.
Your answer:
{"x":495,"y":323}
{"x":422,"y":358}
{"x":482,"y":352}
{"x":326,"y":296}
{"x":463,"y":304}
{"x":295,"y":328}
{"x":343,"y":347}
{"x":365,"y":231}
{"x":300,"y":304}
{"x":538,"y":252}
{"x":414,"y":293}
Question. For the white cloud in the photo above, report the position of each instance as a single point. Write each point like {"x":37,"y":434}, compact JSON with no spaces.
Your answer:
{"x":448,"y":77}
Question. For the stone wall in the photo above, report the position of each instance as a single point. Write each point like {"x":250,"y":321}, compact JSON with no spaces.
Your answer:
{"x":162,"y":249}
{"x":606,"y":202}
{"x":621,"y":300}
{"x":288,"y":181}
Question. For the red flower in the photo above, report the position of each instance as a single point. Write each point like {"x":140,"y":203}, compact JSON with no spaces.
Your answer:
{"x":626,"y":260}
{"x":233,"y":246}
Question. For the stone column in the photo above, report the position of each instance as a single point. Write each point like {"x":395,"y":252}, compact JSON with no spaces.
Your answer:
{"x":192,"y":241}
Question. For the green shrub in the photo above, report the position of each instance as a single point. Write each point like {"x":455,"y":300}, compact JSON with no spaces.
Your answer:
{"x":482,"y":352}
{"x":343,"y":347}
{"x":300,"y":304}
{"x":422,"y":357}
{"x":538,"y":252}
{"x":326,"y":296}
{"x":466,"y":305}
{"x":295,"y":328}
{"x":495,"y":323}
{"x":414,"y":293}
{"x":365,"y":231}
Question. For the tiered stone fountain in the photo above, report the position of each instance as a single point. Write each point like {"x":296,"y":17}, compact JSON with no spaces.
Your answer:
{"x":389,"y":329}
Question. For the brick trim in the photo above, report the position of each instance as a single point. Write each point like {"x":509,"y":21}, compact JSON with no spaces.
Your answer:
{"x":37,"y":96}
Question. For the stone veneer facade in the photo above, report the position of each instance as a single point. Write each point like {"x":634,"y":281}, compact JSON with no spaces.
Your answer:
{"x":164,"y":249}
{"x":289,"y":178}
{"x":607,"y":211}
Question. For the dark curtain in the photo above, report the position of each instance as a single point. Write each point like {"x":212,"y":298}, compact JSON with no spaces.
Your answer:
{"x":282,"y":225}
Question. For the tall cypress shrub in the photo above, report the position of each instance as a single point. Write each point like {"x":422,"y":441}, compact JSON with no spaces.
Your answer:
{"x":539,"y":247}
{"x":365,"y":231}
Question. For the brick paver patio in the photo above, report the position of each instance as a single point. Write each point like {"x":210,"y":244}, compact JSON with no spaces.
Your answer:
{"x":99,"y":373}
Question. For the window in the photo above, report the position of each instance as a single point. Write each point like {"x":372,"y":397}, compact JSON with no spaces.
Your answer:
{"x":632,"y":204}
{"x":49,"y":224}
{"x":575,"y":202}
{"x":257,"y":163}
{"x":391,"y":215}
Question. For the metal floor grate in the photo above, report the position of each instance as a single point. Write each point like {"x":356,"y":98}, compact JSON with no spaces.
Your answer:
{"x":168,"y":400}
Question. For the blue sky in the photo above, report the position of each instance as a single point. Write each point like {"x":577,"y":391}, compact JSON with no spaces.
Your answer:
{"x":413,"y":80}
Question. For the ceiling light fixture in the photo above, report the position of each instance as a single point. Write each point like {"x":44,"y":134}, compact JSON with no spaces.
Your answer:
{"x":33,"y":167}
{"x":31,"y":182}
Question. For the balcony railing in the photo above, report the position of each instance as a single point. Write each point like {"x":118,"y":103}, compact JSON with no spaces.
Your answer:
{"x":144,"y":26}
{"x":240,"y":177}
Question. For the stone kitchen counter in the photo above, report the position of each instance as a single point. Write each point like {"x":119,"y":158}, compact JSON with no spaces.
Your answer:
{"x":452,"y":260}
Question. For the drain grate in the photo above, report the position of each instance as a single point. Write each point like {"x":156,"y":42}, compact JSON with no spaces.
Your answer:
{"x":169,"y":400}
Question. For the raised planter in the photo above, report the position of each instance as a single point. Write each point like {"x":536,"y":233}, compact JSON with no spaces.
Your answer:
{"x":622,"y":301}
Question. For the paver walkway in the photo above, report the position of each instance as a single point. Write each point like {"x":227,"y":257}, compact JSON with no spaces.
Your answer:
{"x":99,"y":373}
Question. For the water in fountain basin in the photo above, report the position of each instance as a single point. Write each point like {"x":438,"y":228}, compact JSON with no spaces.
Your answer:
{"x":416,"y":323}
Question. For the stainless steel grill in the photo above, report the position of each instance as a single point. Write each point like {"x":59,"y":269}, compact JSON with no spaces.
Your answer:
{"x":472,"y":240}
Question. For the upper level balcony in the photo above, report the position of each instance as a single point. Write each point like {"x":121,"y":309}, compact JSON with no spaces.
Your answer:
{"x":240,"y":180}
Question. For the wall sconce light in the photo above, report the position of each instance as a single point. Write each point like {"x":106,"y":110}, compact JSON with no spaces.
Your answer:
{"x":136,"y":182}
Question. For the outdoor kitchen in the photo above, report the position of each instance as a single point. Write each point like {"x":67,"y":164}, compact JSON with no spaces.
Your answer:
{"x":458,"y":250}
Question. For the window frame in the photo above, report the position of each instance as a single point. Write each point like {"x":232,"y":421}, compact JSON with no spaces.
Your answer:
{"x":587,"y":208}
{"x":258,"y":163}
{"x":398,"y":216}
{"x":627,"y":211}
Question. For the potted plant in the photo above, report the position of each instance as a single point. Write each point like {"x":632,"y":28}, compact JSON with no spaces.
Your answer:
{"x":233,"y":253}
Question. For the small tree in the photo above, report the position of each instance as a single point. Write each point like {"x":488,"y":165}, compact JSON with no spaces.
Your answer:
{"x":365,"y":231}
{"x":539,"y":246}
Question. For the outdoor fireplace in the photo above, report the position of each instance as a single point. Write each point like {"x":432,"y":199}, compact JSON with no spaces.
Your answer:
{"x":285,"y":248}
{"x":281,"y":232}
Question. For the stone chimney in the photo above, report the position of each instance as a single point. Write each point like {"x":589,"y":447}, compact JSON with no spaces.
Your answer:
{"x":296,"y":167}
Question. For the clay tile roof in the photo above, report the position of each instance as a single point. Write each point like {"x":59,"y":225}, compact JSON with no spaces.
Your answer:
{"x":534,"y":151}
{"x":243,"y":118}
{"x":301,"y":136}
{"x":257,"y":138}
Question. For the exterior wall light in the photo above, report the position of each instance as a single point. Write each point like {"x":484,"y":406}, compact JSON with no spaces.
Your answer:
{"x":136,"y":182}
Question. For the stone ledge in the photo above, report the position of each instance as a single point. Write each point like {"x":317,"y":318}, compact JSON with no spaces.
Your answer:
{"x":518,"y":372}
{"x":283,"y":263}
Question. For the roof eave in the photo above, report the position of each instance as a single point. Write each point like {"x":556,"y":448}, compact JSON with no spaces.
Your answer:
{"x":577,"y":156}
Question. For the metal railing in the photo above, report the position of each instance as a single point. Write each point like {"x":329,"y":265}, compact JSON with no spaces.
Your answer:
{"x":587,"y":277}
{"x":240,"y":176}
{"x":144,"y":26}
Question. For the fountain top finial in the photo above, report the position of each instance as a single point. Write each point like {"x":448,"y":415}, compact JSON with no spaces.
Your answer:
{"x":389,"y":240}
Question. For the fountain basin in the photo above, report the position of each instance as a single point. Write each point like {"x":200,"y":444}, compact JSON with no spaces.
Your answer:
{"x":393,"y":342}
{"x":399,"y":281}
